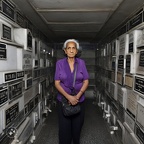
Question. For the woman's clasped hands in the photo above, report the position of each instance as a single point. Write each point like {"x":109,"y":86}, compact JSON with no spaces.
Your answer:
{"x":73,"y":100}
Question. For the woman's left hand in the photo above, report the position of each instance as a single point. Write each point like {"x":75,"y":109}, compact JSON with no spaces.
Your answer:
{"x":74,"y":100}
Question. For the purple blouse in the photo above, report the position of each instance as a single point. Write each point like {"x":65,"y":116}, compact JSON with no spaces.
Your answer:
{"x":64,"y":74}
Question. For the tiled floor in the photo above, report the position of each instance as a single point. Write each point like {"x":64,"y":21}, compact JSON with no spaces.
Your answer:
{"x":94,"y":130}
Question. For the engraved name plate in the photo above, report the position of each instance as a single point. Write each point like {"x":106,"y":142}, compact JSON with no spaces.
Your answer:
{"x":141,"y":59}
{"x":140,"y":62}
{"x":131,"y":105}
{"x":121,"y":63}
{"x":131,"y":40}
{"x":3,"y":51}
{"x":128,"y":63}
{"x":27,"y":60}
{"x":19,"y":119}
{"x":130,"y":47}
{"x":6,"y":32}
{"x":20,"y":74}
{"x":10,"y":76}
{"x":114,"y":62}
{"x":15,"y":90}
{"x":28,"y":83}
{"x":29,"y":41}
{"x":11,"y":113}
{"x":129,"y":81}
{"x":136,"y":20}
{"x":139,"y":84}
{"x":20,"y":20}
{"x":135,"y":40}
{"x":8,"y":9}
{"x":122,"y":45}
{"x":140,"y":113}
{"x":120,"y":78}
{"x":3,"y":96}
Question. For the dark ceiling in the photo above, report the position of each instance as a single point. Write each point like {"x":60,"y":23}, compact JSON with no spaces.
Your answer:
{"x":85,"y":20}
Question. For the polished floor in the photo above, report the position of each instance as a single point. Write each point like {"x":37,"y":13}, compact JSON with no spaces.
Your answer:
{"x":94,"y":130}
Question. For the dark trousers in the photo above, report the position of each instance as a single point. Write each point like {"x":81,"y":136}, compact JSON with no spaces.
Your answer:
{"x":70,"y":127}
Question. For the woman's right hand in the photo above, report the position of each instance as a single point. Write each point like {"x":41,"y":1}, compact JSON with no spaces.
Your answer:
{"x":73,"y":100}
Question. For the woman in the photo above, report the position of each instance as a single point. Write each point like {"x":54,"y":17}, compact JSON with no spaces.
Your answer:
{"x":70,"y":127}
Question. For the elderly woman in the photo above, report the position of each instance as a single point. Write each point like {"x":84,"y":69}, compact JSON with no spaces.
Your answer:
{"x":70,"y":126}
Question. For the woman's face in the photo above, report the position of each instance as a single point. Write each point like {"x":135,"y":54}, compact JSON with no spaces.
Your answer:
{"x":71,"y":49}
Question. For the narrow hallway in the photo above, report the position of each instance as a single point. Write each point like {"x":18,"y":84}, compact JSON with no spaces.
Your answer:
{"x":94,"y":130}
